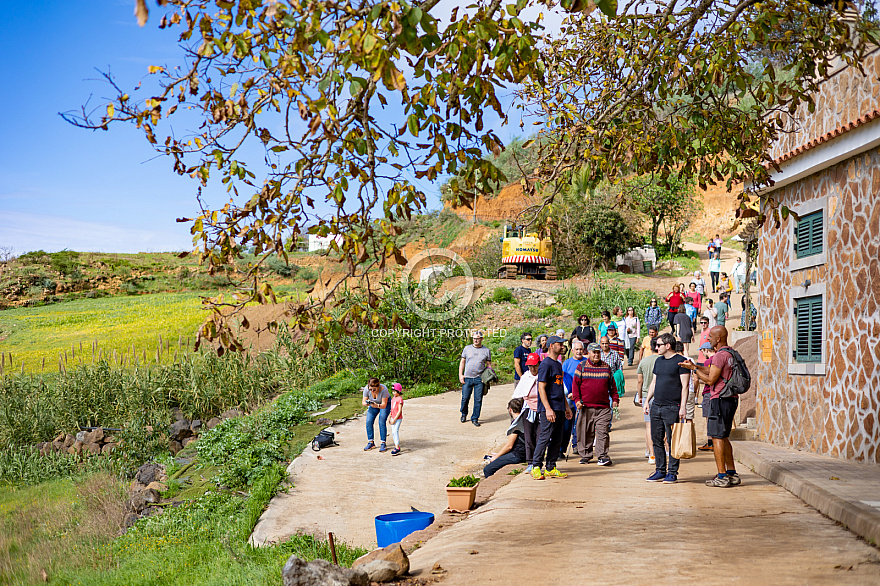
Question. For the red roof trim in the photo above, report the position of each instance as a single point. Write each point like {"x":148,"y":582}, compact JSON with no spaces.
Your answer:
{"x":828,"y":136}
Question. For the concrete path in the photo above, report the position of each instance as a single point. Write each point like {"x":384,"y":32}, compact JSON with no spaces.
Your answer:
{"x":607,"y":525}
{"x":848,"y":492}
{"x":348,"y":488}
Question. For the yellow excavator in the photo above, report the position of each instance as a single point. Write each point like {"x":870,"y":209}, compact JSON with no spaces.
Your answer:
{"x":527,"y":254}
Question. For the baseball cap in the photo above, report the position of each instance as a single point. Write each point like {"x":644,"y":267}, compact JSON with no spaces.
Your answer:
{"x":533,"y":360}
{"x":397,"y":387}
{"x":555,"y":339}
{"x":594,"y":347}
{"x":705,"y":346}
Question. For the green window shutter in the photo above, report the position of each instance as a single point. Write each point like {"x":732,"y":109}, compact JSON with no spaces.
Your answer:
{"x":808,"y":235}
{"x":808,"y":329}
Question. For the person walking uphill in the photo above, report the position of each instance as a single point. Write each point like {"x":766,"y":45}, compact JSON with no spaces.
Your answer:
{"x":594,"y":394}
{"x":474,"y":360}
{"x":666,"y":404}
{"x":552,"y":406}
{"x":376,"y":399}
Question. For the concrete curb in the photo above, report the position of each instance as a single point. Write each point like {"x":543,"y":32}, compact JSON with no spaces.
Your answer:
{"x":858,"y":518}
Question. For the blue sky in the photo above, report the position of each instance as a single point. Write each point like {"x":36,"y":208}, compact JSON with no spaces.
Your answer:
{"x":65,"y":187}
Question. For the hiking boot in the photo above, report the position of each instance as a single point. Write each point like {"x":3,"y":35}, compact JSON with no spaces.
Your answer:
{"x":463,"y":418}
{"x":537,"y":474}
{"x":719,"y":482}
{"x":670,"y":479}
{"x":604,"y":461}
{"x":706,"y":448}
{"x":382,"y":447}
{"x":555,"y":473}
{"x":476,"y":423}
{"x":734,"y":479}
{"x":657,"y":476}
{"x":585,"y":460}
{"x":370,"y":445}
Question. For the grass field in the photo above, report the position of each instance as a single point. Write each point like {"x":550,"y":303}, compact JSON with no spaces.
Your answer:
{"x":118,"y":324}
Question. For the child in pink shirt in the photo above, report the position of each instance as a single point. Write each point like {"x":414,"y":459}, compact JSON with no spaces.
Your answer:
{"x":396,"y":416}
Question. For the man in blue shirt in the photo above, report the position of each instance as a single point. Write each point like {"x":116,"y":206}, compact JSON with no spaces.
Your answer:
{"x":553,"y":409}
{"x":520,"y":354}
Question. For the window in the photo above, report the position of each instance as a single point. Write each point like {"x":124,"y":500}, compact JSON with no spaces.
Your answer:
{"x":808,"y":235}
{"x":808,"y":330}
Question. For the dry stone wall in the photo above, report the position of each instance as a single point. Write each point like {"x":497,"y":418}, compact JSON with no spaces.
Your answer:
{"x":835,"y":413}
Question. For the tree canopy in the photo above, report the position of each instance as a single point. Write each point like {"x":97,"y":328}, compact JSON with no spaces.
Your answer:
{"x":351,"y":103}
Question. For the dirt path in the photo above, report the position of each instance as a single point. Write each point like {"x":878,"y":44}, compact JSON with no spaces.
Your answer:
{"x":607,"y":525}
{"x":345,"y":491}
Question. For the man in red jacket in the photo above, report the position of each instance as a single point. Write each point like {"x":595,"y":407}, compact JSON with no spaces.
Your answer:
{"x":594,"y":394}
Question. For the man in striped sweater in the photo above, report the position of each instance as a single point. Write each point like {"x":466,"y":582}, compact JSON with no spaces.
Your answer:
{"x":594,"y":394}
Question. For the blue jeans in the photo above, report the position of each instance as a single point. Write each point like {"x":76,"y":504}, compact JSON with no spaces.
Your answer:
{"x":475,"y":386}
{"x":382,"y":414}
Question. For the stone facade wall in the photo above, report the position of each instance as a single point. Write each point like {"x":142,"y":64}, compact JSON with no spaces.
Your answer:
{"x":842,"y":99}
{"x":835,"y":413}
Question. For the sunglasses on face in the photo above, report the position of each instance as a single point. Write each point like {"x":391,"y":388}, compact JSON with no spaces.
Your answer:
{"x":527,"y":339}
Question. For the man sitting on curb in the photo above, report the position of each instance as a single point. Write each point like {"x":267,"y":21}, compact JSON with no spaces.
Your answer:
{"x":552,"y":406}
{"x":594,"y":394}
{"x":514,"y":450}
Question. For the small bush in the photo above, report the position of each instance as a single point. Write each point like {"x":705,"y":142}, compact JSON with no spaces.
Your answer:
{"x":307,"y":274}
{"x":281,"y":268}
{"x":502,"y":295}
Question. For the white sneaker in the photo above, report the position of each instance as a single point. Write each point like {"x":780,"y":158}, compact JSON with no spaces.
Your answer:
{"x":651,"y":460}
{"x":647,"y":454}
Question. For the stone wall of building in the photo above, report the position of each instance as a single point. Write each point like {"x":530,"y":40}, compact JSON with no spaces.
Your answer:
{"x":836,"y":413}
{"x":842,"y":99}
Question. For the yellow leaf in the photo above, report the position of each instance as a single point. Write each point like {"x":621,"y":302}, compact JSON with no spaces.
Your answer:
{"x":155,"y":69}
{"x":110,"y":110}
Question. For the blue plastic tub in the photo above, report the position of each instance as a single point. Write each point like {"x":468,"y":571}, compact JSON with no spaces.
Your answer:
{"x":393,"y":527}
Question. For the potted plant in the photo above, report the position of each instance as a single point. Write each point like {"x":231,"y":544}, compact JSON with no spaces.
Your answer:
{"x":461,"y":492}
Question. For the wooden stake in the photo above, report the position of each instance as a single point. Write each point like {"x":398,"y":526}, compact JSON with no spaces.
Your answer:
{"x":332,"y":548}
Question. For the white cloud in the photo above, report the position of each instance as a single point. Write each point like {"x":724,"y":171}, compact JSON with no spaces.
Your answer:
{"x":27,"y":231}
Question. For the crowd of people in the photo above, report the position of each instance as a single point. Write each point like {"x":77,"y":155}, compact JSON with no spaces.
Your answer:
{"x":568,"y":388}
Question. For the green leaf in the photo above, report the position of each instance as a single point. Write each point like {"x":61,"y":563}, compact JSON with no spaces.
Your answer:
{"x":369,"y":43}
{"x":412,"y":123}
{"x":608,"y":7}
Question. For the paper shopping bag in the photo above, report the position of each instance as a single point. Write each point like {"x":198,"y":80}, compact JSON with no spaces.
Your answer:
{"x":684,"y":440}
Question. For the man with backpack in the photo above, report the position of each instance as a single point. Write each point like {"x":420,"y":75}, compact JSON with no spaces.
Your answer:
{"x":726,"y":377}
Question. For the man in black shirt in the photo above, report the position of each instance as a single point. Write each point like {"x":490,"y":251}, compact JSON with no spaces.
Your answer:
{"x":552,"y":406}
{"x":666,"y":404}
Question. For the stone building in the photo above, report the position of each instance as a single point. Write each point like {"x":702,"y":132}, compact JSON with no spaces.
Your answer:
{"x":818,"y":379}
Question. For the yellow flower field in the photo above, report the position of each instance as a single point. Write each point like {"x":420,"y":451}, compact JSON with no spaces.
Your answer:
{"x":112,"y":327}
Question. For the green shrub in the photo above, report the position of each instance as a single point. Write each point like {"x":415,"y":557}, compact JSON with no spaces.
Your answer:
{"x":279,"y":267}
{"x":502,"y":295}
{"x":486,"y":259}
{"x":307,"y":274}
